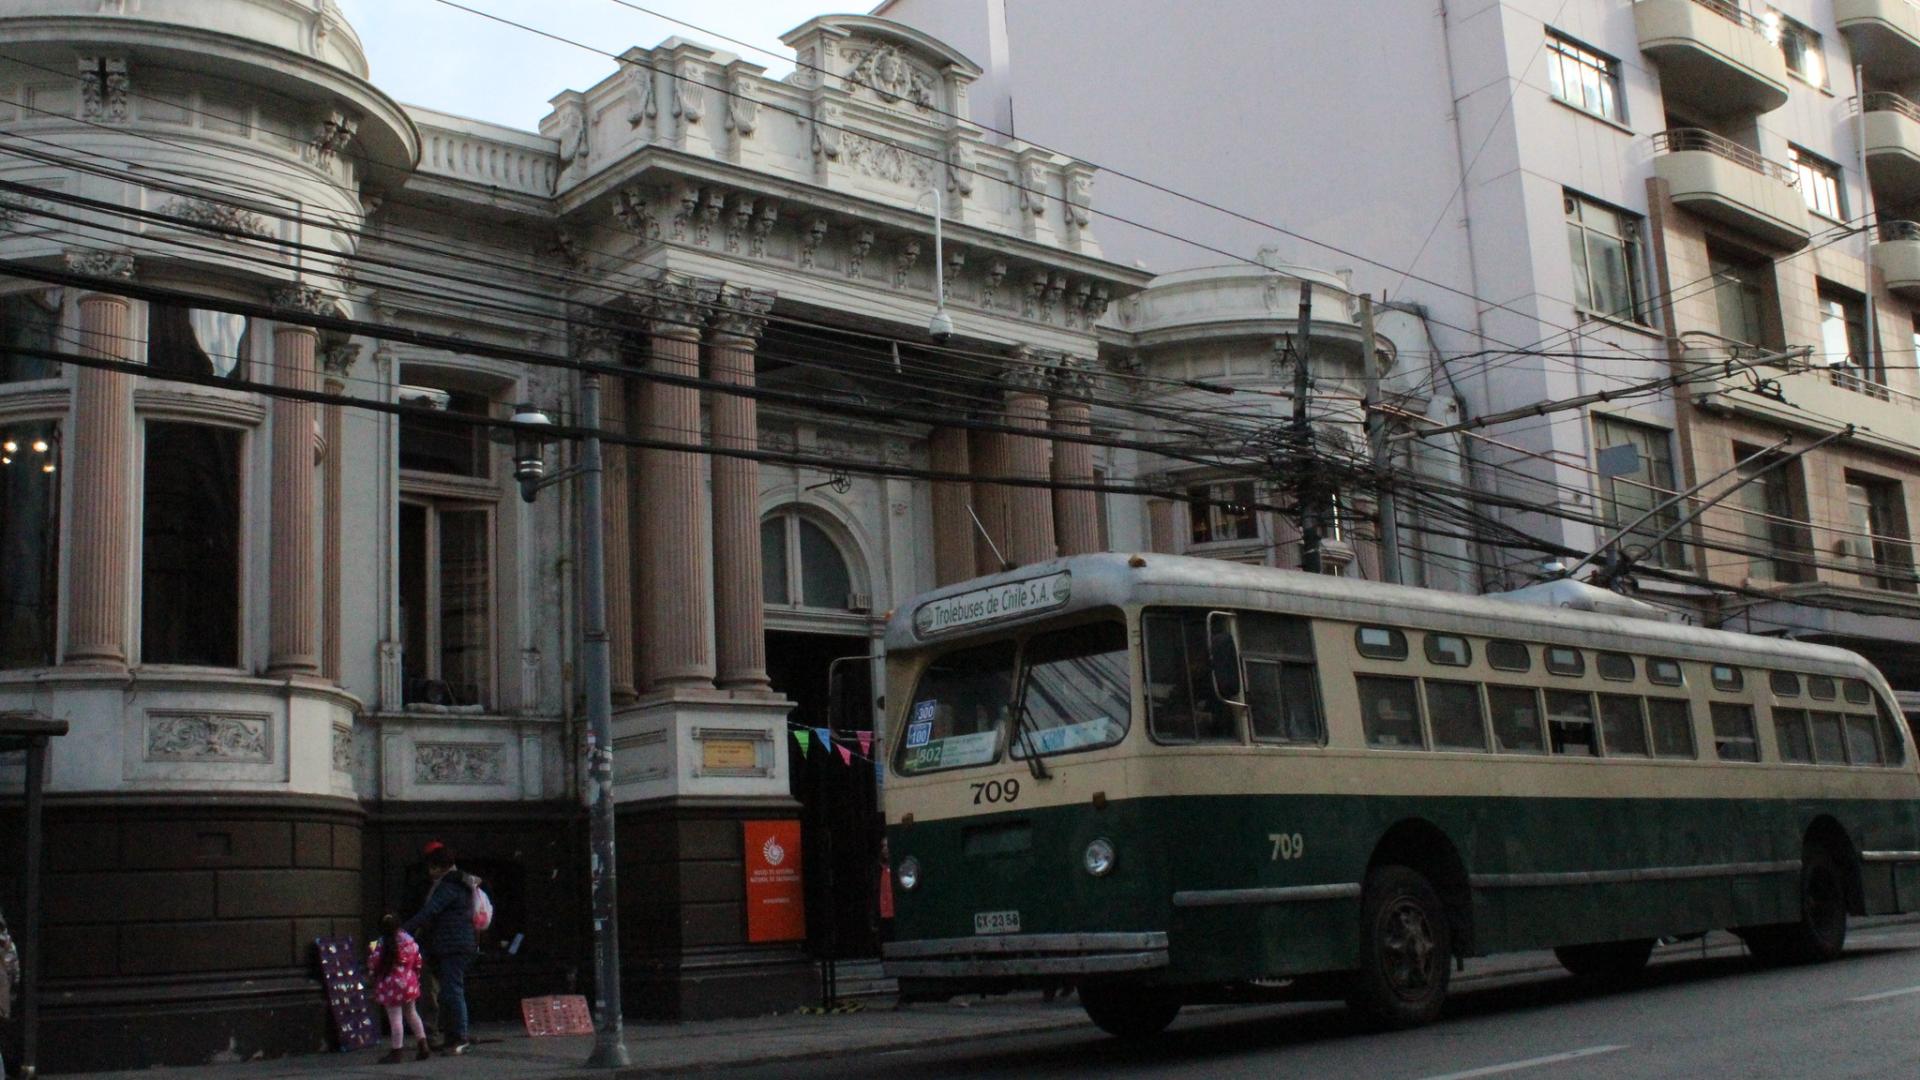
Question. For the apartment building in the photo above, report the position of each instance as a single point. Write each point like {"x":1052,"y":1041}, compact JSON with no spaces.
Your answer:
{"x":1659,"y":208}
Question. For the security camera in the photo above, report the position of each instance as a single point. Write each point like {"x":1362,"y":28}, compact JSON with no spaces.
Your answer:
{"x":940,"y":327}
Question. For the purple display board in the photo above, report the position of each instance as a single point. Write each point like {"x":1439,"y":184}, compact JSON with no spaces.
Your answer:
{"x":354,"y":1024}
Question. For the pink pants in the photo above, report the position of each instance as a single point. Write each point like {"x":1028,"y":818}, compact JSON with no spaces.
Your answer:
{"x":412,"y":1015}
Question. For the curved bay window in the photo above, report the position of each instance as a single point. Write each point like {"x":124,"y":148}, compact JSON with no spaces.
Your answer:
{"x":801,"y":565}
{"x":190,"y":545}
{"x":28,"y":322}
{"x":447,"y":552}
{"x":191,"y":341}
{"x":29,"y":542}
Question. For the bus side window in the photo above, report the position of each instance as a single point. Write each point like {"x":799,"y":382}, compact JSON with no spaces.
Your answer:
{"x":1790,"y":731}
{"x":1829,"y":737}
{"x":1623,"y":730}
{"x":1734,"y":737}
{"x":1862,"y":748}
{"x":1672,"y":723}
{"x":1453,"y":709}
{"x":1516,"y":719}
{"x":1890,"y":738}
{"x":1283,"y":688}
{"x":1181,"y":704}
{"x":1390,"y":712}
{"x":1570,"y":723}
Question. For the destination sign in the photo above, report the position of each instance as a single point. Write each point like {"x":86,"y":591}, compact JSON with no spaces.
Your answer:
{"x":991,"y":604}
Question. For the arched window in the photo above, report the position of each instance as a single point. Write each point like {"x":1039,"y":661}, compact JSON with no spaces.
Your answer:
{"x":801,"y":565}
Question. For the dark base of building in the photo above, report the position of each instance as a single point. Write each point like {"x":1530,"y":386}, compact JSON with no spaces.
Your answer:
{"x":723,"y":983}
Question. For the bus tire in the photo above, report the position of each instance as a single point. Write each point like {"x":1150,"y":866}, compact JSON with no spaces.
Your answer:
{"x":1607,"y":960}
{"x":1406,"y":950}
{"x":1821,"y":932}
{"x":1128,"y":1012}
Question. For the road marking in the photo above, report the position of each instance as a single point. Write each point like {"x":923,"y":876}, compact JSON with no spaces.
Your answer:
{"x":1530,"y":1063}
{"x":1885,"y":994}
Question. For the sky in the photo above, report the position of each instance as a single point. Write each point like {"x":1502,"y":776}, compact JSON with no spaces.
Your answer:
{"x":425,"y":52}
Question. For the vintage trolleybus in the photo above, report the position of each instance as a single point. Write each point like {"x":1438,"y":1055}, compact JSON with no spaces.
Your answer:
{"x":1169,"y":780}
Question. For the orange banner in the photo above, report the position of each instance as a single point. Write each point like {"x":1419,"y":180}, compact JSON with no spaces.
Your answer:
{"x":776,"y":905}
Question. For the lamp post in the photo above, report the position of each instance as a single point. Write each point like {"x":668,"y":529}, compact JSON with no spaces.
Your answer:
{"x":530,"y":469}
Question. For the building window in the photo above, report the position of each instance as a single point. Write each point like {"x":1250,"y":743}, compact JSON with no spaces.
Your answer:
{"x":446,"y":602}
{"x":1876,"y":545}
{"x":1768,"y":498}
{"x":1819,"y":183}
{"x":1627,"y":496}
{"x":1604,"y":244}
{"x":1843,"y":332}
{"x":1743,"y":290}
{"x":449,"y":445}
{"x":801,"y":565}
{"x":28,"y":321}
{"x":193,"y":342}
{"x":1222,"y":512}
{"x":29,"y":542}
{"x":1587,"y":80}
{"x":190,"y":546}
{"x":1800,"y":44}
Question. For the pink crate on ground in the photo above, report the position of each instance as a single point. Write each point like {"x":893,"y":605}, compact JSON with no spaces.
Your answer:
{"x":562,"y":1014}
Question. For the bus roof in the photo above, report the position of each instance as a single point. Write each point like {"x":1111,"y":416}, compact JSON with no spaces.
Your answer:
{"x":1113,"y":580}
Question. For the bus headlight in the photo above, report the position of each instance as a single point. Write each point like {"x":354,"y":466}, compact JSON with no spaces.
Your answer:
{"x":1099,"y":857}
{"x":909,"y":873}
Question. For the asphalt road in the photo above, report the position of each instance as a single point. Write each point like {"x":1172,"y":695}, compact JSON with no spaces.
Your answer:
{"x":1689,"y":1016}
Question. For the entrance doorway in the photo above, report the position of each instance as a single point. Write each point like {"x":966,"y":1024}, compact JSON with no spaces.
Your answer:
{"x":840,"y":821}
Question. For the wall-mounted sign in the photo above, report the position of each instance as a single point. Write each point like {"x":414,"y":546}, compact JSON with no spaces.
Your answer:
{"x":733,"y":754}
{"x":993,"y":603}
{"x":776,"y":903}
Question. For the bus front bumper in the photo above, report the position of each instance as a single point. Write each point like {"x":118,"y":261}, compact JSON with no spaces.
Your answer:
{"x":1025,"y":954}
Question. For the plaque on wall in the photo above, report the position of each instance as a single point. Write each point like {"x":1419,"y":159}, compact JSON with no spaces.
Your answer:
{"x":354,"y":1026}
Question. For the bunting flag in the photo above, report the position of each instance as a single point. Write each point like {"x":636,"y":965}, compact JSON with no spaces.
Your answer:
{"x":803,"y":737}
{"x":825,"y":735}
{"x":866,"y":742}
{"x":846,"y":756}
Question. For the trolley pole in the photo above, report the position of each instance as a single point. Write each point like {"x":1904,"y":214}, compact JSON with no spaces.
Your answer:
{"x":1306,"y":478}
{"x":1377,"y":447}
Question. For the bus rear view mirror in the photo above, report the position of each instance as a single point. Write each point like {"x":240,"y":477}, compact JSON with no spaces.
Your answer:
{"x":1223,"y":655}
{"x":850,"y":693}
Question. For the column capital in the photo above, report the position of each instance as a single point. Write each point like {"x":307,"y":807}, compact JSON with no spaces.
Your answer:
{"x":1073,"y":375}
{"x":302,"y":298}
{"x":338,"y":359}
{"x":1028,"y":372}
{"x":678,"y":308}
{"x":112,"y":265}
{"x":742,"y":314}
{"x":592,"y":340}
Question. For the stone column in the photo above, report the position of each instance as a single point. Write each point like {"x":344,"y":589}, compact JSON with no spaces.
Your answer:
{"x":1076,"y":511}
{"x":637,"y":407}
{"x":679,"y":571}
{"x":601,"y":345}
{"x":953,"y":531}
{"x":336,"y":361}
{"x":1029,"y":509}
{"x":987,"y":456}
{"x":100,"y":453}
{"x":740,"y":625}
{"x":293,"y":637}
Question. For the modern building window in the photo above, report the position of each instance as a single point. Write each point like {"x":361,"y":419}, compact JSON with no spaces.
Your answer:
{"x":1769,"y":499}
{"x":1877,"y":543}
{"x":28,"y":321}
{"x":446,"y":601}
{"x":190,"y":545}
{"x":1743,"y":291}
{"x":1801,"y":45}
{"x":1604,"y":244}
{"x":1587,"y":80}
{"x":29,"y":542}
{"x":190,"y":341}
{"x":1223,"y":512}
{"x":1843,"y":332}
{"x":800,"y":564}
{"x":1626,"y":497}
{"x":1819,"y":183}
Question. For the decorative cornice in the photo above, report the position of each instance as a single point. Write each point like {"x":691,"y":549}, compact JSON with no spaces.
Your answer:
{"x":116,"y":265}
{"x":302,"y":298}
{"x":218,"y":216}
{"x":742,"y":314}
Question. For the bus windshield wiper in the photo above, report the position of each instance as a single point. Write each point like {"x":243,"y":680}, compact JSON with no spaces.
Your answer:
{"x":1023,"y":729}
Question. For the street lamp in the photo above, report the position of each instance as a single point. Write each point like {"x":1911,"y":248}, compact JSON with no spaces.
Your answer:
{"x":531,"y":429}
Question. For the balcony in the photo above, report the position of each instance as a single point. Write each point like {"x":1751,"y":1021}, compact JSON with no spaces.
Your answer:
{"x":1897,"y":254}
{"x":1718,"y":178}
{"x":1892,"y":125}
{"x":1885,"y":35}
{"x":1713,"y":56}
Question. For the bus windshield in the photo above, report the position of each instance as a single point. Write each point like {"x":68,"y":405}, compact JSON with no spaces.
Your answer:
{"x":960,"y":709}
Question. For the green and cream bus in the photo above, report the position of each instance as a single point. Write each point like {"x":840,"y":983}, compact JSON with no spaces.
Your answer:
{"x":1168,"y":780}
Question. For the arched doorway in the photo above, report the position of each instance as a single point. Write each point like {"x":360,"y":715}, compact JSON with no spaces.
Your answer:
{"x":819,"y":611}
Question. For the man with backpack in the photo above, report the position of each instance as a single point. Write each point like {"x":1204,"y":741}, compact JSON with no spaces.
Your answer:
{"x":445,"y":927}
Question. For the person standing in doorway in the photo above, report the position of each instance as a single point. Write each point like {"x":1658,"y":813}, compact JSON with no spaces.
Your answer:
{"x":444,"y":925}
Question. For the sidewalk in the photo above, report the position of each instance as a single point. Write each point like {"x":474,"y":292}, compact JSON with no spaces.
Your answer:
{"x":504,"y":1051}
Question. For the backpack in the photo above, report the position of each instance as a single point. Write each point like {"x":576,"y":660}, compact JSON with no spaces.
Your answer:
{"x":482,"y":909}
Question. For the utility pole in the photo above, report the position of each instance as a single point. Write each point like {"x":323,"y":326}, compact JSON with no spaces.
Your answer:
{"x":1377,"y":447}
{"x":1306,"y":476}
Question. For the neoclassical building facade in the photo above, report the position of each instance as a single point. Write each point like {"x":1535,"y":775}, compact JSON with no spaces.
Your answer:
{"x":298,"y":633}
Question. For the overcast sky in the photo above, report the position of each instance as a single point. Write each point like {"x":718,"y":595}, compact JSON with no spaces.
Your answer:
{"x":424,"y":52}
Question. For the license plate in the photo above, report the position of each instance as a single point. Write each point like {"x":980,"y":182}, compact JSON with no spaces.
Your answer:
{"x":996,"y":922}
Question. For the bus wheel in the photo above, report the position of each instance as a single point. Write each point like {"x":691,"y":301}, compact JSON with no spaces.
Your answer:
{"x":1606,"y":960}
{"x":1128,"y":1012}
{"x":1821,"y":932}
{"x":1406,"y":946}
